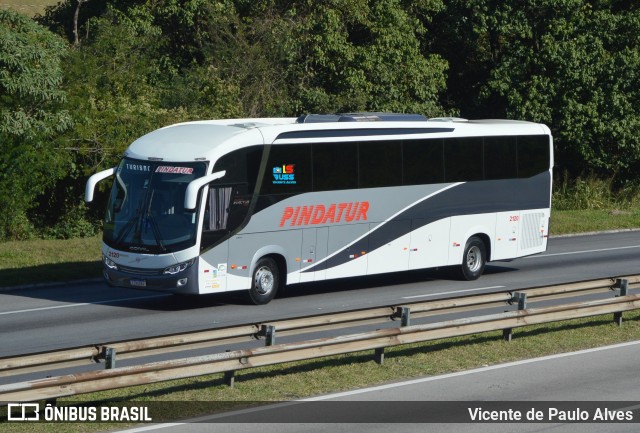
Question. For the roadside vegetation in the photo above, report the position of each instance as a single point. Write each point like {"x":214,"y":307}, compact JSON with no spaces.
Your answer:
{"x":81,"y":79}
{"x":590,"y":204}
{"x":28,"y":7}
{"x":43,"y":261}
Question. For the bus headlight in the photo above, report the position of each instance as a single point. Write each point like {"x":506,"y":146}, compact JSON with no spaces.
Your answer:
{"x":110,"y":263}
{"x":176,"y":269}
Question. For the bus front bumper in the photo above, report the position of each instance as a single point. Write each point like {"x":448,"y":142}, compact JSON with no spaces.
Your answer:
{"x":185,"y":282}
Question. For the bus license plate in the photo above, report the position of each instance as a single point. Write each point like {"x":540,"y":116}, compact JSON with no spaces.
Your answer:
{"x":138,"y":283}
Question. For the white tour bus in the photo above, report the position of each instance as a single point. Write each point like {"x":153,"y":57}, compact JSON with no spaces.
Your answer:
{"x":253,"y":204}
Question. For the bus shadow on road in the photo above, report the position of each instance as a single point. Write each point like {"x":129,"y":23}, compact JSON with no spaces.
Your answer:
{"x":51,"y":274}
{"x":96,"y":291}
{"x":391,"y":280}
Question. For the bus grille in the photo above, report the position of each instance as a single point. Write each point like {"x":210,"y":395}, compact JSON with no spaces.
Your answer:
{"x":532,"y":236}
{"x":139,"y":271}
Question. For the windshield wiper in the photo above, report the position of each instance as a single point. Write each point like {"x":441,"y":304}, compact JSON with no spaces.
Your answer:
{"x":128,"y":226}
{"x":156,"y":231}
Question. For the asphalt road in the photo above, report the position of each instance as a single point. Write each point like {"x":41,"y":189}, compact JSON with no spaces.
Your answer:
{"x":559,"y":387}
{"x":41,"y":319}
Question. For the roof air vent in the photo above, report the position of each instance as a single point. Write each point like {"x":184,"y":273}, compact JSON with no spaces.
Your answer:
{"x":361,"y":117}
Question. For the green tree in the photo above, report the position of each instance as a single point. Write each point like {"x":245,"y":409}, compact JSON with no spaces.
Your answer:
{"x":113,"y":85}
{"x":286,"y":58}
{"x":122,"y":83}
{"x":31,"y":115}
{"x":353,"y":55}
{"x":573,"y":64}
{"x":71,"y":19}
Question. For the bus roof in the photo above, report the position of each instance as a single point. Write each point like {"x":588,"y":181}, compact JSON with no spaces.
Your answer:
{"x":209,"y":139}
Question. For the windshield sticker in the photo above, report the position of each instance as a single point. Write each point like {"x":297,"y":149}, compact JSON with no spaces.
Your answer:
{"x":284,"y":175}
{"x":174,"y":170}
{"x":138,"y":167}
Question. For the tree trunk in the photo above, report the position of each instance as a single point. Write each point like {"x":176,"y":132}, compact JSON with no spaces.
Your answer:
{"x":76,"y":39}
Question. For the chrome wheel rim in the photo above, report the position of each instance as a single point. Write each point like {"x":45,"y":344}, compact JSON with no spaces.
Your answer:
{"x":264,"y":280}
{"x":474,"y":258}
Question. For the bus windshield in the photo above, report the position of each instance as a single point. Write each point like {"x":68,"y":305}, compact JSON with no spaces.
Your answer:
{"x":145,"y":212}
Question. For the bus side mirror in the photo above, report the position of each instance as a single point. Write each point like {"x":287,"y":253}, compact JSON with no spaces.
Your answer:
{"x":93,"y":180}
{"x":191,"y":195}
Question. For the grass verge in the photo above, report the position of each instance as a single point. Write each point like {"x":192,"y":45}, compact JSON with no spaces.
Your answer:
{"x":591,"y":220}
{"x":30,"y":7}
{"x":44,"y":261}
{"x":302,"y":379}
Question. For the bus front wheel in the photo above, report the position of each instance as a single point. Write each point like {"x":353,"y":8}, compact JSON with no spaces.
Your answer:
{"x":265,"y":281}
{"x":474,"y":259}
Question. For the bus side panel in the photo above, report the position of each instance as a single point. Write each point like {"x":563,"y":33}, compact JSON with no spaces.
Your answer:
{"x":213,"y":269}
{"x":465,"y":226}
{"x":507,"y":234}
{"x":246,"y":249}
{"x":429,"y":244}
{"x":314,"y":249}
{"x":389,"y":246}
{"x":322,"y":250}
{"x":353,"y":260}
{"x":308,"y":254}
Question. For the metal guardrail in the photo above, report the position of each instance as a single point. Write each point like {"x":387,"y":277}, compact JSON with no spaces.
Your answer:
{"x":48,"y":361}
{"x":229,"y":362}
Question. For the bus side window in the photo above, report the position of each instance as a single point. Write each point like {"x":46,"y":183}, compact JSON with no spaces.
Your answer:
{"x":380,"y":164}
{"x":335,"y":166}
{"x":463,"y":159}
{"x":217,"y":210}
{"x":288,"y":170}
{"x":423,"y":161}
{"x":500,"y":158}
{"x":533,"y":155}
{"x":216,"y":214}
{"x":225,"y":211}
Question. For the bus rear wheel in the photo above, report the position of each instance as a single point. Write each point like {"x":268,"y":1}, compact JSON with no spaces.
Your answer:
{"x":265,"y":281}
{"x":473,"y":259}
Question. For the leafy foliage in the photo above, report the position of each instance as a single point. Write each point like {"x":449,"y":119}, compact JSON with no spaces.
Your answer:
{"x":142,"y":64}
{"x":31,"y":114}
{"x":30,"y":76}
{"x":354,"y":55}
{"x":573,"y":64}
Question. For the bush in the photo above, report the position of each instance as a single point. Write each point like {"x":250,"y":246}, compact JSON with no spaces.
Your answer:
{"x":593,"y":193}
{"x":73,"y":224}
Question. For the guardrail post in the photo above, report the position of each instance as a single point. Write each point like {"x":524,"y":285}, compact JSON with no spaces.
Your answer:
{"x":521,"y":297}
{"x":623,"y":285}
{"x":51,"y":401}
{"x":617,"y":318}
{"x":229,"y":378}
{"x":378,"y":356}
{"x":109,"y":358}
{"x":405,"y":316}
{"x":269,"y":332}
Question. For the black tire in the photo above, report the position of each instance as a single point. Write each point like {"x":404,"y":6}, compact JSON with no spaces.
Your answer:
{"x":473,"y":259}
{"x":265,"y":281}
